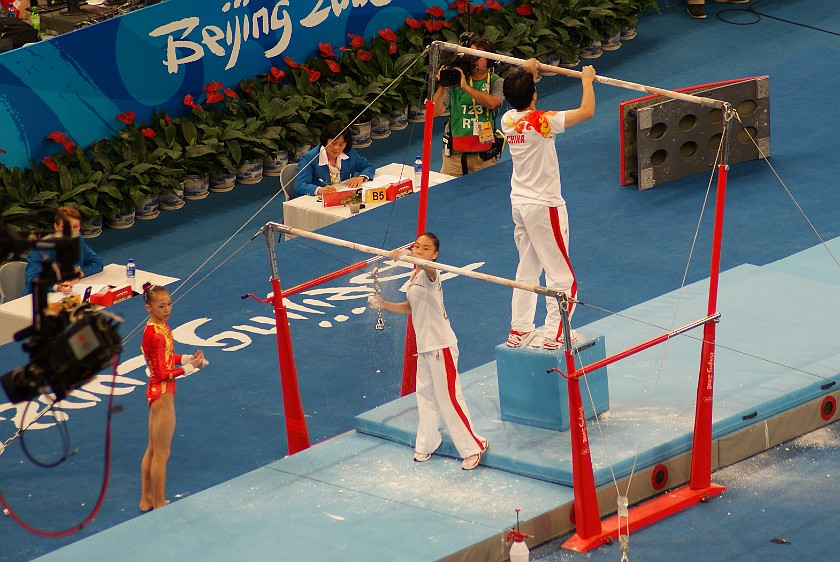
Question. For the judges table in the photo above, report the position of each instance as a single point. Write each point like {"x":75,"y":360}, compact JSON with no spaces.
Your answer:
{"x":17,"y":314}
{"x":307,"y":212}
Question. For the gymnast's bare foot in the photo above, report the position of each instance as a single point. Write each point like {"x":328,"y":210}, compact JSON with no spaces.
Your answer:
{"x":146,"y":507}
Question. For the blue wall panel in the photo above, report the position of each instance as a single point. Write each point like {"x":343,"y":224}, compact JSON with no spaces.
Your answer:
{"x":151,"y":58}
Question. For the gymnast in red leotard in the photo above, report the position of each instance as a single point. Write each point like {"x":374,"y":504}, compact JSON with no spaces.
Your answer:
{"x":158,"y":349}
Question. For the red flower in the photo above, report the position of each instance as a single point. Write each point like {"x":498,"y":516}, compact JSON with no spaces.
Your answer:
{"x":189,"y":102}
{"x":435,"y":11}
{"x":461,"y":5}
{"x":326,"y":50}
{"x":127,"y":117}
{"x":168,"y":119}
{"x":333,"y":66}
{"x":213,"y":97}
{"x":290,"y":62}
{"x":364,"y":56}
{"x":313,"y":74}
{"x":524,"y":10}
{"x":478,"y":8}
{"x":356,"y":41}
{"x":387,"y":34}
{"x":274,"y":75}
{"x":392,"y":49}
{"x":50,"y":163}
{"x":493,"y":5}
{"x":430,"y":24}
{"x":148,"y":133}
{"x":413,"y":23}
{"x":230,"y":93}
{"x":58,"y":137}
{"x":2,"y":151}
{"x":62,"y":139}
{"x":213,"y":86}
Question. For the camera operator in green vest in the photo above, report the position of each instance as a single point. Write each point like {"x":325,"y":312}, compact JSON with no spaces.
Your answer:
{"x":469,"y":141}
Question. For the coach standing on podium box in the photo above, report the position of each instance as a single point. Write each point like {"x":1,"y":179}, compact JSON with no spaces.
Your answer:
{"x":540,"y":219}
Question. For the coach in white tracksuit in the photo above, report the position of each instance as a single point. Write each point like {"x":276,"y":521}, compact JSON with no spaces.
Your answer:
{"x":438,"y":384}
{"x":541,"y":224}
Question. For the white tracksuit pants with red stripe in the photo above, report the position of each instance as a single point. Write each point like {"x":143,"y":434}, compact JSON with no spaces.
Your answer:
{"x":541,"y":235}
{"x":439,"y":396}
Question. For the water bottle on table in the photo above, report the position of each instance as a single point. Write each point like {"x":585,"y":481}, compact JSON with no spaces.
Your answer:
{"x":35,"y":20}
{"x":418,"y":173}
{"x":131,"y":274}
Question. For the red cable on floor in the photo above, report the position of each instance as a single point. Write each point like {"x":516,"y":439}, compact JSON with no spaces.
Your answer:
{"x":87,"y":520}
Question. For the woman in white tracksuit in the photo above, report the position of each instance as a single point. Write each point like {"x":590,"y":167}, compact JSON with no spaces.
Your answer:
{"x":438,"y":384}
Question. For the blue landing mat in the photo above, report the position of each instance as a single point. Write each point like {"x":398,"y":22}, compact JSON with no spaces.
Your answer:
{"x":819,"y":262}
{"x":351,"y":498}
{"x":370,"y":498}
{"x":357,"y":497}
{"x":652,"y":393}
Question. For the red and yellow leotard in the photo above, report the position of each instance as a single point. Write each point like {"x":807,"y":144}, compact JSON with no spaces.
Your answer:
{"x":159,"y":350}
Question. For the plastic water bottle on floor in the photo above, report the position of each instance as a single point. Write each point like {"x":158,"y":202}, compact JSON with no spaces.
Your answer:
{"x":131,"y":274}
{"x":418,"y":173}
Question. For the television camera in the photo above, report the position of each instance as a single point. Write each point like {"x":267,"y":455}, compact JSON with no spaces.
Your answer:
{"x":449,"y":75}
{"x":65,"y":349}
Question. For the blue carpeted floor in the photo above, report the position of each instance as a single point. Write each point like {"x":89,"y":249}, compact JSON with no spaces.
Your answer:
{"x":627,"y":246}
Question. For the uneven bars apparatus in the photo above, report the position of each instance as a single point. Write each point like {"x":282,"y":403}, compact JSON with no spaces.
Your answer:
{"x":589,"y":532}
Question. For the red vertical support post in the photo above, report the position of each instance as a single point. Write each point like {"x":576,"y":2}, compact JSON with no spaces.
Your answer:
{"x":701,"y":453}
{"x":297,"y":434}
{"x":409,"y":378}
{"x":427,"y":156}
{"x":587,"y":512}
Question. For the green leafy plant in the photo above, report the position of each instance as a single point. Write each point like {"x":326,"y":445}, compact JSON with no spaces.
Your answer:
{"x":201,"y":150}
{"x":353,"y":198}
{"x":285,"y":115}
{"x":21,"y":201}
{"x":143,"y":159}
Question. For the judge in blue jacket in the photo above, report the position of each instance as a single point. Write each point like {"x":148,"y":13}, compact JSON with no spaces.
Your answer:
{"x":332,"y":162}
{"x":89,"y":262}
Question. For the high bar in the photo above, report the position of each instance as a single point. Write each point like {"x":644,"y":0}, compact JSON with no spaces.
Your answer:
{"x":709,"y":102}
{"x":282,"y":228}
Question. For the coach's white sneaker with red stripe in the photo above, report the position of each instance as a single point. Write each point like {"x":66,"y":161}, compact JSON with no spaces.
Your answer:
{"x":519,"y":339}
{"x":551,"y":344}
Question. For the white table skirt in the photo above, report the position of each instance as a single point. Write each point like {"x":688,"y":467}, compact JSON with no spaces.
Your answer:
{"x":17,"y":314}
{"x":308,"y":213}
